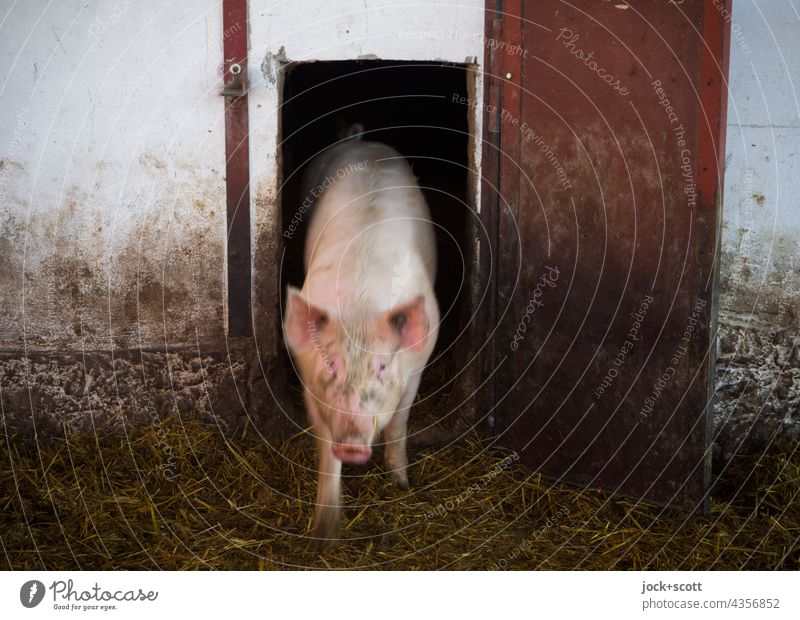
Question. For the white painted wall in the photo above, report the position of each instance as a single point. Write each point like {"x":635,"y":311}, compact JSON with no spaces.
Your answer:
{"x":112,"y":148}
{"x":303,"y":30}
{"x":761,"y":213}
{"x":758,"y":367}
{"x":113,"y":157}
{"x":112,"y":160}
{"x":112,"y":179}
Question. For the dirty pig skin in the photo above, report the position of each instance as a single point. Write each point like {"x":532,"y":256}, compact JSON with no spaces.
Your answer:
{"x":365,"y":322}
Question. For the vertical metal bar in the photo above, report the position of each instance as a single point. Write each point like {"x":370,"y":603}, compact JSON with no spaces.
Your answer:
{"x":714,"y":103}
{"x":490,"y":188}
{"x":509,"y":114}
{"x":710,"y":176}
{"x":237,"y":166}
{"x":507,"y":73}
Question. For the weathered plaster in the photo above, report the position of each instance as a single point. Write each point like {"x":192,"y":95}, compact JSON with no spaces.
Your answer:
{"x":113,"y":220}
{"x":758,"y":371}
{"x":112,"y":169}
{"x":113,"y":203}
{"x":307,"y":30}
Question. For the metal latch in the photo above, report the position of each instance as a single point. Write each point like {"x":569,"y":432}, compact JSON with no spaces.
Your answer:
{"x":235,"y":84}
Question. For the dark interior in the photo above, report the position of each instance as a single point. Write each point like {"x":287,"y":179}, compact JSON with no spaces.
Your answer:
{"x":416,"y":107}
{"x":419,"y":108}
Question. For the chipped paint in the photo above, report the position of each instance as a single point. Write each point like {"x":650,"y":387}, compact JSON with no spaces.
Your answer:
{"x":758,"y":366}
{"x":113,"y":219}
{"x":272,"y":65}
{"x":113,"y":212}
{"x":112,"y":183}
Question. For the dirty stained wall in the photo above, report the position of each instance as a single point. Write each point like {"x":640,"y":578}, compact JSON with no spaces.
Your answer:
{"x":112,"y":252}
{"x":758,"y":370}
{"x":307,"y":30}
{"x":112,"y":164}
{"x":113,"y":161}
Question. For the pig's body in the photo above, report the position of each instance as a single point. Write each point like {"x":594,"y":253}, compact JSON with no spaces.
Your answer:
{"x":365,"y":323}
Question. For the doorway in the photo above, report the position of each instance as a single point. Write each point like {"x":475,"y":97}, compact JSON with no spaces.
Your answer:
{"x":419,"y":109}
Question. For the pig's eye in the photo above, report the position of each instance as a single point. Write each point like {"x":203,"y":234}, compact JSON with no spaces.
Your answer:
{"x":382,"y":367}
{"x":398,"y":320}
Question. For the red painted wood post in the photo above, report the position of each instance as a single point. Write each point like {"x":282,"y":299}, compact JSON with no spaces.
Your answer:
{"x":613,"y":177}
{"x":237,"y":166}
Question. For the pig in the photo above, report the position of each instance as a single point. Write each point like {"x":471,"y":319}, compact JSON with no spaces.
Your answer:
{"x":364,"y":324}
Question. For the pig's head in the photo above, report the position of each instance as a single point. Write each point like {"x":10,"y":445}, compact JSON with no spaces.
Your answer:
{"x":353,"y":362}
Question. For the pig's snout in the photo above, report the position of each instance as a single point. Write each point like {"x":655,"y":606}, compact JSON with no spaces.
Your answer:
{"x":353,"y":432}
{"x":351,"y":451}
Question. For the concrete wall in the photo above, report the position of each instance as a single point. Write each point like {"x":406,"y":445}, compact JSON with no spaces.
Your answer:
{"x":113,"y":157}
{"x":112,"y":163}
{"x":305,"y":30}
{"x":759,"y":363}
{"x":113,"y":201}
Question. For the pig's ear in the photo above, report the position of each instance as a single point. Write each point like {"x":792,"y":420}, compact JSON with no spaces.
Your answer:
{"x":303,"y":322}
{"x":410,"y":323}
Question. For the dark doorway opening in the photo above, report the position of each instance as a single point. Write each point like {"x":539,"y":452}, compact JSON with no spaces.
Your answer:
{"x":420,"y":109}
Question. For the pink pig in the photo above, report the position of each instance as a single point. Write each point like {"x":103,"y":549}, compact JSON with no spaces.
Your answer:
{"x":365,"y":323}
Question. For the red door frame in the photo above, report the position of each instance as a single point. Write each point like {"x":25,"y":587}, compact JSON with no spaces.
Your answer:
{"x":237,"y":167}
{"x":503,"y":84}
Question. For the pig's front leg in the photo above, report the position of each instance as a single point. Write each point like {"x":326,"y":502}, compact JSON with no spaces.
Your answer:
{"x":326,"y":513}
{"x":395,"y":433}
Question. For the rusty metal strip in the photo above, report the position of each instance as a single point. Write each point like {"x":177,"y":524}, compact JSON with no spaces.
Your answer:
{"x":490,"y":183}
{"x":711,"y":157}
{"x":552,"y":412}
{"x":509,"y":112}
{"x":237,"y":166}
{"x":714,"y":102}
{"x":499,"y":180}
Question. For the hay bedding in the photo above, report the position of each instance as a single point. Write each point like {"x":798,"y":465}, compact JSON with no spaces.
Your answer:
{"x":179,"y":495}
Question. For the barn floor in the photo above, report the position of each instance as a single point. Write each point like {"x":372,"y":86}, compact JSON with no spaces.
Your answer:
{"x":178,"y":495}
